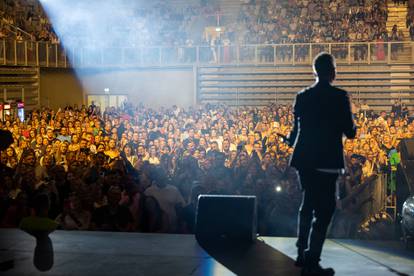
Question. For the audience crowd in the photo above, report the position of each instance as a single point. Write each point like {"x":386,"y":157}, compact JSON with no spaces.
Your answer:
{"x":304,"y":21}
{"x":258,"y":22}
{"x":139,"y":169}
{"x":30,"y":19}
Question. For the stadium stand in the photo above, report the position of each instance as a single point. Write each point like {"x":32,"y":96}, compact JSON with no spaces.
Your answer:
{"x":248,"y":61}
{"x":20,"y":84}
{"x":237,"y":85}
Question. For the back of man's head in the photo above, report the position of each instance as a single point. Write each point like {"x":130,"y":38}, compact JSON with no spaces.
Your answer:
{"x":324,"y":66}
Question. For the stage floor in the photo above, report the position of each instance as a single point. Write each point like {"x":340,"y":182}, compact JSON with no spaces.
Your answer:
{"x":105,"y":253}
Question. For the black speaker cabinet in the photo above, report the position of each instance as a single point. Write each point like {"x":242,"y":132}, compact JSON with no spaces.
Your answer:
{"x":407,"y":149}
{"x":226,"y":217}
{"x":405,"y":182}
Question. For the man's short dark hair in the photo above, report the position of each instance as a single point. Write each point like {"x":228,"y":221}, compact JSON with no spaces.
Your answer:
{"x":323,"y":64}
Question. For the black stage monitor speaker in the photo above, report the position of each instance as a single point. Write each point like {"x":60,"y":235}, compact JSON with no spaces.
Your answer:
{"x":226,"y":216}
{"x":405,"y":182}
{"x":407,"y":149}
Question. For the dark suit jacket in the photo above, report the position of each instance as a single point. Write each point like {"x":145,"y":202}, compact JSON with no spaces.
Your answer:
{"x":322,"y":115}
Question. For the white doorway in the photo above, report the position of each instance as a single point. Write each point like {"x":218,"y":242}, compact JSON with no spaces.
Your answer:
{"x":104,"y":100}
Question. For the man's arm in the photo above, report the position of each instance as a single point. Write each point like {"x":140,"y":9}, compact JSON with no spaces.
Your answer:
{"x":349,"y":124}
{"x":292,"y":136}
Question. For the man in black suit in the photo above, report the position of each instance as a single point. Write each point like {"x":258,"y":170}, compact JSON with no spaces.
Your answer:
{"x":322,"y":115}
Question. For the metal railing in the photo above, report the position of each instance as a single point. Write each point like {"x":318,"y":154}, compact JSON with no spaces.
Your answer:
{"x":46,"y":54}
{"x":14,"y":29}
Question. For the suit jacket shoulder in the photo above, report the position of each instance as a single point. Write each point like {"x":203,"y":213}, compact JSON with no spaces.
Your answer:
{"x":302,"y":93}
{"x":306,"y":90}
{"x":340,"y":91}
{"x":302,"y":96}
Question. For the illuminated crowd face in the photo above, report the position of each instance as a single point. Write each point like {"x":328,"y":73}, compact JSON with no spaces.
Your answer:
{"x":112,"y":144}
{"x":10,"y":152}
{"x":205,"y":132}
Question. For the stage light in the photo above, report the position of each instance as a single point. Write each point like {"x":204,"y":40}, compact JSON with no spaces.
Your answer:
{"x":218,"y":29}
{"x":91,"y":30}
{"x":278,"y":188}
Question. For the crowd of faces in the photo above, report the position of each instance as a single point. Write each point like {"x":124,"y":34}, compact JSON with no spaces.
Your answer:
{"x":258,"y":22}
{"x":28,"y":16}
{"x":306,"y":21}
{"x":140,"y":169}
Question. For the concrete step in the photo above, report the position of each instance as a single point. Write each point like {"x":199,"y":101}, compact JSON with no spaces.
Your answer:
{"x":230,"y":7}
{"x":397,"y":16}
{"x":398,"y":23}
{"x":397,"y":10}
{"x":389,"y":28}
{"x":397,"y":20}
{"x":401,"y":80}
{"x":405,"y":31}
{"x":400,"y":26}
{"x":392,"y":5}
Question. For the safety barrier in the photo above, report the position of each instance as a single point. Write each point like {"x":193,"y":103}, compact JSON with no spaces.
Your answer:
{"x":46,"y":54}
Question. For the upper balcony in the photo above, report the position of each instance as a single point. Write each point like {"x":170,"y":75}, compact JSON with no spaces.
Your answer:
{"x":45,"y":54}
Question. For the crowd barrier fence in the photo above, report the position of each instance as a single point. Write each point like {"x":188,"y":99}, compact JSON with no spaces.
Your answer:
{"x":46,"y":54}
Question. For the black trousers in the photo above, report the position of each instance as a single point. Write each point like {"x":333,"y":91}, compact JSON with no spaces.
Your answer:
{"x":315,"y":214}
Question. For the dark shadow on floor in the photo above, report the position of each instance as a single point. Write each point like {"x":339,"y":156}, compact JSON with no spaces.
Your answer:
{"x":43,"y":253}
{"x":255,"y":259}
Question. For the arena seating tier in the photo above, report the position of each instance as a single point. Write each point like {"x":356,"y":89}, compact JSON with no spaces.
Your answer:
{"x":376,"y":85}
{"x":244,"y":22}
{"x":20,"y":84}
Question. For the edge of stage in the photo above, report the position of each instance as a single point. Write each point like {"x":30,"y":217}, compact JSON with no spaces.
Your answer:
{"x":107,"y":253}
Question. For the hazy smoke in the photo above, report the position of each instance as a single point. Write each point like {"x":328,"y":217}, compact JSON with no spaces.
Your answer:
{"x":96,"y":24}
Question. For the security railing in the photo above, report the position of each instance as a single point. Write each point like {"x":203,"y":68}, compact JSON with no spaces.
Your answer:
{"x":45,"y":54}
